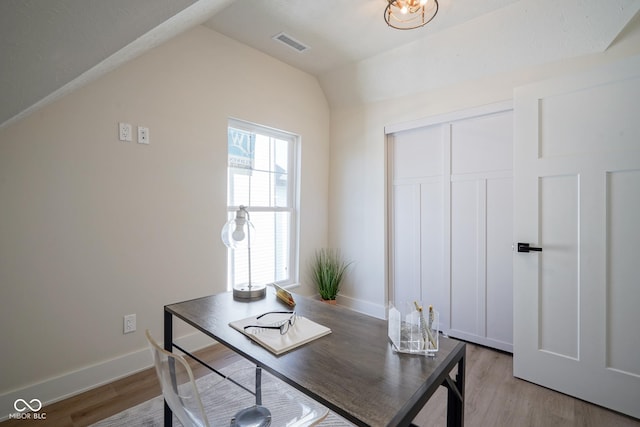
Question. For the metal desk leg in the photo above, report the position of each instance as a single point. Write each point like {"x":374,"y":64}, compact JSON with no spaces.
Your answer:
{"x":455,"y":396}
{"x":258,"y":386}
{"x":168,"y":345}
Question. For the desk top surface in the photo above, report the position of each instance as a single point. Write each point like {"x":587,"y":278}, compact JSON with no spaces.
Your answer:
{"x":353,"y":370}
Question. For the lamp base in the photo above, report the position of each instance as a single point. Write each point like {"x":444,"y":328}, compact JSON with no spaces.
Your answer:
{"x":250,"y":292}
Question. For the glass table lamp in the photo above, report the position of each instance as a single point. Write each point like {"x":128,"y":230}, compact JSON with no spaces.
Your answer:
{"x":236,"y":234}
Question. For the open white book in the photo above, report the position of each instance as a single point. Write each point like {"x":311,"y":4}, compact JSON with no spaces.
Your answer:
{"x":301,"y":332}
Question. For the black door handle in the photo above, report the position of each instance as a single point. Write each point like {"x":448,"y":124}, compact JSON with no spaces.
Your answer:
{"x":524,"y":247}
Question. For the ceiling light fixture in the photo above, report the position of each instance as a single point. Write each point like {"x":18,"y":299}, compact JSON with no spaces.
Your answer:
{"x":410,"y":14}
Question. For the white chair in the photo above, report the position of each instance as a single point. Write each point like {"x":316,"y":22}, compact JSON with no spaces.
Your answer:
{"x":246,"y":397}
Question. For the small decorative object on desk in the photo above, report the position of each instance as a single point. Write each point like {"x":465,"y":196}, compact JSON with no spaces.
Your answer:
{"x":413,"y":328}
{"x":284,"y":295}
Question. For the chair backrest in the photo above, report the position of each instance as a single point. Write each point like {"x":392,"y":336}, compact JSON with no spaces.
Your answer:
{"x":178,"y":386}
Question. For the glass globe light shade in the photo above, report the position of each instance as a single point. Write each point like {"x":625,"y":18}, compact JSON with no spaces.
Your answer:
{"x":236,"y":232}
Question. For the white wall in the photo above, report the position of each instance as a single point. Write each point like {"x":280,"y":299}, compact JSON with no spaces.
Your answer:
{"x":357,"y":201}
{"x":93,"y":228}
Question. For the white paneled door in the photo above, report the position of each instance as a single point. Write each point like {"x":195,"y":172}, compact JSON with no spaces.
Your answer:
{"x":577,"y":197}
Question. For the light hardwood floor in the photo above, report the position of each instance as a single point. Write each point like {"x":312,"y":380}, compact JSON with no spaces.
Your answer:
{"x":494,"y":398}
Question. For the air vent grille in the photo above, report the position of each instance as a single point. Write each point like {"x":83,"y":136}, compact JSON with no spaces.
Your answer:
{"x":291,"y":42}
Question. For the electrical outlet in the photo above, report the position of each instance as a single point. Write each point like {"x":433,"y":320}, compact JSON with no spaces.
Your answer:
{"x":124,"y":131}
{"x":143,"y":135}
{"x":129,"y":323}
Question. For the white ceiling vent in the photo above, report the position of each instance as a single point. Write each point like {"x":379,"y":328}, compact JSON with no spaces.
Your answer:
{"x":291,"y":42}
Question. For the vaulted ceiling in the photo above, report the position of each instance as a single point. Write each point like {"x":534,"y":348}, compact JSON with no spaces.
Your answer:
{"x":50,"y":47}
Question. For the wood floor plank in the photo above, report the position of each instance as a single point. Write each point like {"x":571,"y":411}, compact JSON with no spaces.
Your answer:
{"x":493,"y":398}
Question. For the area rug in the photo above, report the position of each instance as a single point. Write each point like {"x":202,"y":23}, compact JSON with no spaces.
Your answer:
{"x":151,"y":412}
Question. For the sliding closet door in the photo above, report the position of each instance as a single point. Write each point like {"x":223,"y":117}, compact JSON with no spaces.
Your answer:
{"x":481,"y":230}
{"x":418,"y":195}
{"x":451,"y":197}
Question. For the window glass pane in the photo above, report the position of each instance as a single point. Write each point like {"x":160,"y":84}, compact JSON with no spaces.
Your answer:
{"x":262,"y":153}
{"x":281,"y":155}
{"x":281,"y":191}
{"x":281,"y":180}
{"x":261,"y":183}
{"x":270,"y":252}
{"x":269,"y":240}
{"x":241,"y":148}
{"x":258,"y":166}
{"x":238,"y":192}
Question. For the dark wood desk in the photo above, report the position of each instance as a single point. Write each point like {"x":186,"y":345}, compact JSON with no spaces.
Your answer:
{"x":353,"y":370}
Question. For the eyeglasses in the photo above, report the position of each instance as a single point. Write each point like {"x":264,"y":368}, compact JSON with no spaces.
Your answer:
{"x":283,"y":326}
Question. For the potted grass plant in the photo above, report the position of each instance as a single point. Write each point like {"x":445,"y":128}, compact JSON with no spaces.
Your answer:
{"x":328,"y":269}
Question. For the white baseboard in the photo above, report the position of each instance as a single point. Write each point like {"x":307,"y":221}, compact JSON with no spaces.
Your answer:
{"x":374,"y":310}
{"x":487,"y":342}
{"x":89,"y":377}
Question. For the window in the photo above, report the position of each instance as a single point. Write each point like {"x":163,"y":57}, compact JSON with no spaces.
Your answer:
{"x":262,"y":176}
